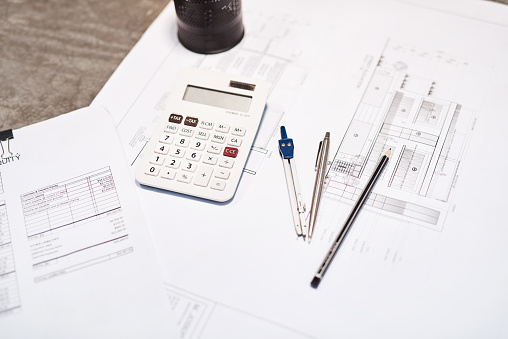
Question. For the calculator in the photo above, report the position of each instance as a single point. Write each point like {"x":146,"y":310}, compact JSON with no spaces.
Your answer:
{"x":201,"y":143}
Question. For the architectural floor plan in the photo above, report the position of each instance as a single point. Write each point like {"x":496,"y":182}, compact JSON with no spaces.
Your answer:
{"x":411,"y":106}
{"x":279,"y":51}
{"x":235,"y":269}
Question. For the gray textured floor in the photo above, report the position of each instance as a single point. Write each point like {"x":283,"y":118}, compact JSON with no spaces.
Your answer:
{"x":56,"y":55}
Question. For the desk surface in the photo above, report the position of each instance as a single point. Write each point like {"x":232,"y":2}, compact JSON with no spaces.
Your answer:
{"x":56,"y":56}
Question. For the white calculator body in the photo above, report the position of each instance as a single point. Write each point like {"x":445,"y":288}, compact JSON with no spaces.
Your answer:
{"x":201,"y":143}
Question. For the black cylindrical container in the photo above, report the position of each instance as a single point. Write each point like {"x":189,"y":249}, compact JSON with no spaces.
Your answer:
{"x":209,"y":26}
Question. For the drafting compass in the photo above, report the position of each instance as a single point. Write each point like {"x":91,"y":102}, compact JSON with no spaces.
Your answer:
{"x":286,"y":148}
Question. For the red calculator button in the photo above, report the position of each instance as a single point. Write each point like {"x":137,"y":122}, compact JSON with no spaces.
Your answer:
{"x":230,"y":152}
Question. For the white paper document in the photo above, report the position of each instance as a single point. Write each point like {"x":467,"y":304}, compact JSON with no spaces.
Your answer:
{"x":76,"y":258}
{"x":425,"y":258}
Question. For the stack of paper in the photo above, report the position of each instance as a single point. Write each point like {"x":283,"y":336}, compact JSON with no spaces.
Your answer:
{"x":424,"y":259}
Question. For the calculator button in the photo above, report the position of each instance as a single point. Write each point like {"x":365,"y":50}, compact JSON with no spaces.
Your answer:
{"x":206,"y":124}
{"x":203,"y":175}
{"x":182,"y":142}
{"x":199,"y":145}
{"x":173,"y":163}
{"x":218,"y":138}
{"x":226,"y":162}
{"x":187,"y":132}
{"x":230,"y":152}
{"x":166,"y":138}
{"x":194,"y":156}
{"x":202,"y":135}
{"x":178,"y":152}
{"x":157,"y":159}
{"x":222,"y":173}
{"x":210,"y":159}
{"x":189,"y":121}
{"x":162,"y":148}
{"x":175,"y":118}
{"x":153,"y":170}
{"x":170,"y":128}
{"x":222,"y":128}
{"x":168,"y":174}
{"x":184,"y":177}
{"x":189,"y":166}
{"x":215,"y":149}
{"x":234,"y":141}
{"x":218,"y":184}
{"x":238,"y":131}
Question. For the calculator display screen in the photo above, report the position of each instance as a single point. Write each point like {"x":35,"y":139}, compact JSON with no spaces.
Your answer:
{"x":217,"y":98}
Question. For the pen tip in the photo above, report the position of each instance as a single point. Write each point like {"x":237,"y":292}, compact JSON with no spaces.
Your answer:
{"x":315,"y":282}
{"x":388,"y":152}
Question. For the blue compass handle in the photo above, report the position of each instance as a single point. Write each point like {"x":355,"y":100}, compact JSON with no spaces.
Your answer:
{"x":286,"y":146}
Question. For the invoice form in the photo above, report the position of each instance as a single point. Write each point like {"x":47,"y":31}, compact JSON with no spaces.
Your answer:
{"x":76,"y":258}
{"x":426,"y":257}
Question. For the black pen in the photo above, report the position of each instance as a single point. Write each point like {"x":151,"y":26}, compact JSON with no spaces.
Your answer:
{"x":352,"y":216}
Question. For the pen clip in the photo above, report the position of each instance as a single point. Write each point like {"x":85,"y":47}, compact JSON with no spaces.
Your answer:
{"x":318,"y":155}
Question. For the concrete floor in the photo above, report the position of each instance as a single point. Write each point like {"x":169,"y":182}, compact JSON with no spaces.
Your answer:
{"x":56,"y":55}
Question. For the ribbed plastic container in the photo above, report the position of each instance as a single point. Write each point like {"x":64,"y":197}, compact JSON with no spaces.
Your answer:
{"x":209,"y":26}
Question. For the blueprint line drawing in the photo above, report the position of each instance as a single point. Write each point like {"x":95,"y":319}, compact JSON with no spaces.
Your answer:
{"x":280,"y":52}
{"x":414,"y":111}
{"x":9,"y":290}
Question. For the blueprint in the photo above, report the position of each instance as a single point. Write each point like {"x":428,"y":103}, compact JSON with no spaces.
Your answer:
{"x":368,"y":73}
{"x":413,"y":105}
{"x":274,"y":51}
